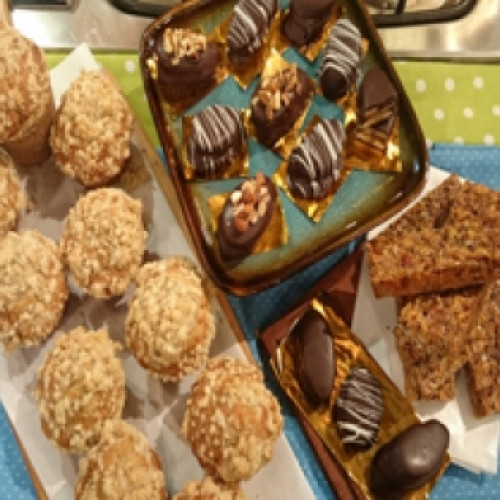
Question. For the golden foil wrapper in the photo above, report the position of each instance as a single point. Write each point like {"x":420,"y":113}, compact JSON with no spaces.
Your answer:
{"x":314,"y":209}
{"x":378,"y":155}
{"x":312,"y":50}
{"x":245,"y":73}
{"x":350,"y":352}
{"x":275,"y":235}
{"x":239,"y":167}
{"x":285,"y":144}
{"x":175,"y":107}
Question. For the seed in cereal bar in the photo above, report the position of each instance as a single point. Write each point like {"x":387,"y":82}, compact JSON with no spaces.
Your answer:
{"x":122,"y":465}
{"x":103,"y":241}
{"x":249,"y":24}
{"x":33,"y":290}
{"x":316,"y":164}
{"x":187,"y":63}
{"x":80,"y":385}
{"x":12,"y":195}
{"x":278,"y":101}
{"x":314,"y":356}
{"x":245,"y":216}
{"x":409,"y":460}
{"x":232,"y":420}
{"x":341,"y":60}
{"x":377,"y":102}
{"x":170,"y":323}
{"x":217,"y":138}
{"x":359,"y":409}
{"x":208,"y":489}
{"x":90,"y":136}
{"x":306,"y":19}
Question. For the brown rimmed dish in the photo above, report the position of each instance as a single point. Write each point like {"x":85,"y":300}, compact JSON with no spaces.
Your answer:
{"x":364,"y":200}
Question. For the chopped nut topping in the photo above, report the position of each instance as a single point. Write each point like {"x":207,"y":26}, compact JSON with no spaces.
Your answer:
{"x":103,"y":241}
{"x":250,"y":202}
{"x":80,"y":385}
{"x":12,"y":197}
{"x":121,"y":466}
{"x":170,"y":324}
{"x":277,"y":90}
{"x":33,"y":289}
{"x":208,"y":489}
{"x":179,"y":43}
{"x":232,"y":420}
{"x":90,"y":136}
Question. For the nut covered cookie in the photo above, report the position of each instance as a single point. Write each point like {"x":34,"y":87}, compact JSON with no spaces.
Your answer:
{"x":12,"y":196}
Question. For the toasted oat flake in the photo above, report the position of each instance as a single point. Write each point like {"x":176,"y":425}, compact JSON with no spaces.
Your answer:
{"x":33,"y":289}
{"x":103,"y":241}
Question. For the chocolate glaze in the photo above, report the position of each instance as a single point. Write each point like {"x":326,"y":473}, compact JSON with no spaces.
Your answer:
{"x":233,"y":243}
{"x":341,"y":60}
{"x":316,"y":164}
{"x":377,"y":94}
{"x":189,"y":75}
{"x":359,"y":409}
{"x":305,"y":20}
{"x":410,"y":460}
{"x":248,"y":26}
{"x":314,"y":356}
{"x":269,"y":129}
{"x":217,"y":137}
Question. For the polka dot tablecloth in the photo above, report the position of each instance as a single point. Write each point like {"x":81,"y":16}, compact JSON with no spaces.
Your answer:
{"x":458,"y":106}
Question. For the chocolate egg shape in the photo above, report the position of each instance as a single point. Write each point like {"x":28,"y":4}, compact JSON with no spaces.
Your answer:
{"x":246,"y":213}
{"x":358,"y":410}
{"x":314,"y":356}
{"x":409,"y":460}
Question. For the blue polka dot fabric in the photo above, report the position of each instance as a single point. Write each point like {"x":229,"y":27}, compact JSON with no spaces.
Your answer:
{"x":477,"y":163}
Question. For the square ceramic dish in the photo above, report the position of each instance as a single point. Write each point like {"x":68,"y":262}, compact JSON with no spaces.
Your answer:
{"x":364,"y":200}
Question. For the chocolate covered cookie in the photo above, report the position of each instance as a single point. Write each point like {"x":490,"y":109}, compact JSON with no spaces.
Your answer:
{"x":341,"y":60}
{"x":278,"y":102}
{"x":409,"y":460}
{"x":305,"y":20}
{"x":358,"y":410}
{"x":187,"y":63}
{"x":316,"y":164}
{"x":249,"y":24}
{"x":217,"y":137}
{"x":314,"y":356}
{"x":245,"y":216}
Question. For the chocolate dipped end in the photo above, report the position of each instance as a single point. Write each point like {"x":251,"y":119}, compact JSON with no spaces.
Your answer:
{"x":314,"y":356}
{"x":305,"y":20}
{"x":245,"y":216}
{"x":183,"y":72}
{"x":410,"y":460}
{"x":216,"y":139}
{"x":273,"y":118}
{"x":358,"y":410}
{"x":248,"y":26}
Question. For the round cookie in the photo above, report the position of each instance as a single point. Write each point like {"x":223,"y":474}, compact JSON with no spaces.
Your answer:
{"x":103,"y":241}
{"x":26,"y":101}
{"x":170,"y":323}
{"x":80,"y":385}
{"x":121,"y":466}
{"x":90,"y":136}
{"x":12,"y":196}
{"x":33,"y":290}
{"x":232,"y":420}
{"x":208,"y":489}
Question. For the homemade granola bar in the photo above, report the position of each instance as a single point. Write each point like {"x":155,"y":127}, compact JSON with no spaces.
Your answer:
{"x":445,"y":241}
{"x":483,"y":369}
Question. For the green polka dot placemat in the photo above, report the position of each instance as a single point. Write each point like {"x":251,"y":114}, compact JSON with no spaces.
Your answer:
{"x":454,"y":102}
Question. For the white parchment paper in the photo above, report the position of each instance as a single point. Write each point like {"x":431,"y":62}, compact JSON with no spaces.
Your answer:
{"x":474,"y":442}
{"x":153,"y":407}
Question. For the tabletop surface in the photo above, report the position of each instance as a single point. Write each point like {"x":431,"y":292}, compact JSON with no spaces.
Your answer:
{"x":459,"y":110}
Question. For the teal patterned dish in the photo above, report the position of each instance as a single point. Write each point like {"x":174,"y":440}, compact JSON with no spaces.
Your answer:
{"x":363,"y":201}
